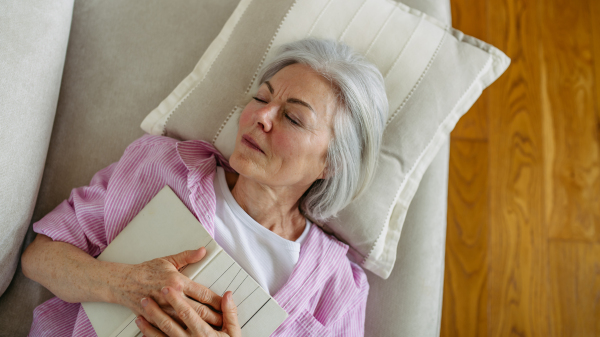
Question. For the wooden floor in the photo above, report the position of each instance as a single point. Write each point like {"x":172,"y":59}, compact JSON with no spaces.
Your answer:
{"x":523,"y":242}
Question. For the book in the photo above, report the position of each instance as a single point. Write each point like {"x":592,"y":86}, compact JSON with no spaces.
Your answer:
{"x":166,"y":227}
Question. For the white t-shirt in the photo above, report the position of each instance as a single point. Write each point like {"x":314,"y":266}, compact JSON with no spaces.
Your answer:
{"x":266,"y":256}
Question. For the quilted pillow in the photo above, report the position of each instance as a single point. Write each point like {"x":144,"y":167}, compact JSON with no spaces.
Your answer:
{"x":433,"y":75}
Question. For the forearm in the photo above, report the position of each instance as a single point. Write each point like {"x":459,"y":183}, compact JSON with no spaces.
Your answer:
{"x":70,"y":273}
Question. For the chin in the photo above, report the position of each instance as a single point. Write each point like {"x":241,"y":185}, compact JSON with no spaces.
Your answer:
{"x":241,"y":163}
{"x":247,"y":163}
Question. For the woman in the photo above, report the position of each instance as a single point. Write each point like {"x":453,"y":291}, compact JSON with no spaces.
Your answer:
{"x":306,"y":147}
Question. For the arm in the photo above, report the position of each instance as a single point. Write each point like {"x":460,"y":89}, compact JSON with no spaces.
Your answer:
{"x":61,"y":256}
{"x":69,"y":272}
{"x":74,"y":276}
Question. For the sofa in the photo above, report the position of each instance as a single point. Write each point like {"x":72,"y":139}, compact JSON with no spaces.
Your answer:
{"x":76,"y":80}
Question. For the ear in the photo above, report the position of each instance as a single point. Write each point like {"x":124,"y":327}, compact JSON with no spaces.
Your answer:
{"x":325,"y":173}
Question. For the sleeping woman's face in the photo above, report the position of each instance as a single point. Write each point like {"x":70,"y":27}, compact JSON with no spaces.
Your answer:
{"x":285,"y":130}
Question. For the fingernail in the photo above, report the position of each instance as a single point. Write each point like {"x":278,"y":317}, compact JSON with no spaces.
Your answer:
{"x":165,"y":290}
{"x":138,"y":322}
{"x":144,"y":302}
{"x":230,"y":298}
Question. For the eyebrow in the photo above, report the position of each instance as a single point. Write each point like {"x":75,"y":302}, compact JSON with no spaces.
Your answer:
{"x":270,"y":87}
{"x":291,"y":100}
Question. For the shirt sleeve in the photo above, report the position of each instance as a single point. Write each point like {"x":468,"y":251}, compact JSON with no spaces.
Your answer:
{"x":79,"y":220}
{"x":352,"y":322}
{"x":140,"y":173}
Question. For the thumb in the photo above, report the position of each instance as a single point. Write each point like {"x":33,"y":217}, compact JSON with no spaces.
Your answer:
{"x":186,"y":257}
{"x":230,"y":318}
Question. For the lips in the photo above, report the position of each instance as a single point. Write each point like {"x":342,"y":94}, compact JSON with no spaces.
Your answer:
{"x":251,"y":143}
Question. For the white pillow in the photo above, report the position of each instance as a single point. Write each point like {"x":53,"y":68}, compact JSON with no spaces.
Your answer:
{"x":433,"y":75}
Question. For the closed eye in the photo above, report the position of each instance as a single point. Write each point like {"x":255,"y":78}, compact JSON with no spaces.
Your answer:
{"x":291,"y":120}
{"x":285,"y":113}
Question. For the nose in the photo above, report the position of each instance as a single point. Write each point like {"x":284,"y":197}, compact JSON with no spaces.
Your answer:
{"x":265,"y":115}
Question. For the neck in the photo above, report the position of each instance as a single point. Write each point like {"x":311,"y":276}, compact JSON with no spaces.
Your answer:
{"x":274,"y":208}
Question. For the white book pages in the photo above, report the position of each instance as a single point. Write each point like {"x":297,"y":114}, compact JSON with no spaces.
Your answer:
{"x":165,"y":227}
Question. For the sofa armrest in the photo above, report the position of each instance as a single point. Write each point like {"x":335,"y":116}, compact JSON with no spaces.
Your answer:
{"x":34,"y":35}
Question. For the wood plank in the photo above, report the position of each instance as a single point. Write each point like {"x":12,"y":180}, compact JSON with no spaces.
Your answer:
{"x":519,"y":289}
{"x":464,"y":311}
{"x":575,"y":275}
{"x":595,"y":12}
{"x":467,"y":17}
{"x":570,"y":122}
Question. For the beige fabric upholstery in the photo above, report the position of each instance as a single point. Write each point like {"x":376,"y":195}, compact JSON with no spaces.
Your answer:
{"x":121,"y":62}
{"x":409,"y":302}
{"x":33,"y":45}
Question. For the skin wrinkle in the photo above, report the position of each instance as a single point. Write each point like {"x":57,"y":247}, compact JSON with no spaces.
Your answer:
{"x":291,"y":100}
{"x":270,"y":185}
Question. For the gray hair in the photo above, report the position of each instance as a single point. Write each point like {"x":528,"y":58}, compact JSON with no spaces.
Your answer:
{"x":357,"y":126}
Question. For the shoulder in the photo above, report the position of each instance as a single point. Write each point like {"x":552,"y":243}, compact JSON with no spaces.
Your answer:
{"x":152,"y":153}
{"x":325,"y":239}
{"x":148,"y":140}
{"x":146,"y":166}
{"x":345,"y":285}
{"x":165,"y":152}
{"x":343,"y":266}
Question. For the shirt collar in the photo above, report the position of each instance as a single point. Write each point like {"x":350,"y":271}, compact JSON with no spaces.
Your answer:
{"x":201,"y":159}
{"x":194,"y":154}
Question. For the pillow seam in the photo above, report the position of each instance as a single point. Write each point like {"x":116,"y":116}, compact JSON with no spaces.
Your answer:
{"x":214,"y":140}
{"x":419,"y":81}
{"x":412,"y":35}
{"x":269,"y":47}
{"x":352,"y":20}
{"x":170,"y":114}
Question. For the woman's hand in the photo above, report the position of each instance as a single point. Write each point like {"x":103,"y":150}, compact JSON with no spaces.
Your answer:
{"x":196,"y":326}
{"x":145,"y":280}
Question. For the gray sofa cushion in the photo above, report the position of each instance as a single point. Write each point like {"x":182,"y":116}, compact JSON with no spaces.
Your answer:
{"x":33,"y":44}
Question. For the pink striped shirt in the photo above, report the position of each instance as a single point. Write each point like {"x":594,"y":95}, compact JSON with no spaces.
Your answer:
{"x":326,"y":294}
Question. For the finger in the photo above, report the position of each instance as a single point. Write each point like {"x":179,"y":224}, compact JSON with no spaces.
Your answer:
{"x":202,"y":294}
{"x":230,"y":319}
{"x":187,"y":313}
{"x":205,"y":312}
{"x":160,"y":319}
{"x":147,"y":329}
{"x":168,"y":309}
{"x":186,"y":257}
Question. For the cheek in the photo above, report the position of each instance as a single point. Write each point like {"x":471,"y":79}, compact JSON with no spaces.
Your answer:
{"x":245,"y":117}
{"x":286,"y":145}
{"x":294,"y":147}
